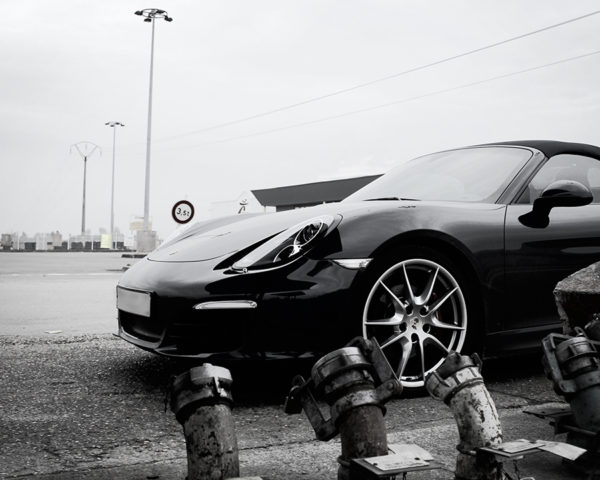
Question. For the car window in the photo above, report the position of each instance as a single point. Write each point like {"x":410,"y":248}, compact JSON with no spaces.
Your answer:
{"x":477,"y":174}
{"x":579,"y":168}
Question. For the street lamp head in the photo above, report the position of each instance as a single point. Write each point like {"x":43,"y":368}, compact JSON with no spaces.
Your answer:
{"x":115,"y":124}
{"x":150,"y":14}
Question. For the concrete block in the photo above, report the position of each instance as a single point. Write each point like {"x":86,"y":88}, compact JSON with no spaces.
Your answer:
{"x":578,"y":297}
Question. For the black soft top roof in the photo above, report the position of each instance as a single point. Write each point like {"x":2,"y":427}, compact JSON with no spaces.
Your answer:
{"x":552,"y":147}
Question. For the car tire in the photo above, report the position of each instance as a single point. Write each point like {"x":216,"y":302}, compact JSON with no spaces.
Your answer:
{"x":418,"y":306}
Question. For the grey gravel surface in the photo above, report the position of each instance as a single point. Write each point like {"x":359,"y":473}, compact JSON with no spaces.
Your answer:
{"x":94,"y":407}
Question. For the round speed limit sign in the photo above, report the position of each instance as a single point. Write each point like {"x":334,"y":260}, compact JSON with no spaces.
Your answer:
{"x":183,"y":211}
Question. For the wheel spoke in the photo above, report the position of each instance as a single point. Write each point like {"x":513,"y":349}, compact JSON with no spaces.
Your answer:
{"x":422,"y":351}
{"x":406,"y":344}
{"x":398,"y":302}
{"x":389,"y":322}
{"x":428,"y":290}
{"x":434,"y":322}
{"x":411,"y":295}
{"x":435,"y":341}
{"x":394,"y":338}
{"x":439,"y":302}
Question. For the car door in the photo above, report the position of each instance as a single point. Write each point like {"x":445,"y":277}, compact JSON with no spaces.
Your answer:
{"x":538,"y":257}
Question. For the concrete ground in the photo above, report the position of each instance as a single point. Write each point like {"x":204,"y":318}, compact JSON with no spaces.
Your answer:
{"x":94,"y":407}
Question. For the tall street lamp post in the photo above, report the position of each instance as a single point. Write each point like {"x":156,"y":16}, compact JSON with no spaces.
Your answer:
{"x":150,"y":15}
{"x":85,"y":150}
{"x":114,"y":126}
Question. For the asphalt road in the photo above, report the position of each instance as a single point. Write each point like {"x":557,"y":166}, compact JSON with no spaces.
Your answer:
{"x":84,"y":404}
{"x":64,"y":293}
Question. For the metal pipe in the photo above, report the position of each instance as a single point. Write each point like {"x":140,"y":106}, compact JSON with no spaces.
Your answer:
{"x":573,"y":364}
{"x":458,"y":383}
{"x":362,"y":435}
{"x":346,"y":395}
{"x":201,"y":400}
{"x":344,"y":381}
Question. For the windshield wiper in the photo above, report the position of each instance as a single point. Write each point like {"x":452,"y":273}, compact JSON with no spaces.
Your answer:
{"x":392,"y":198}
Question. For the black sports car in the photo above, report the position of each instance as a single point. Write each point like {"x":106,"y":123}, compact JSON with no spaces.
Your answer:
{"x":453,"y":250}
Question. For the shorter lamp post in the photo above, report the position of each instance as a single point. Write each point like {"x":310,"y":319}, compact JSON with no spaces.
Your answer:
{"x":114,"y":126}
{"x":85,"y":150}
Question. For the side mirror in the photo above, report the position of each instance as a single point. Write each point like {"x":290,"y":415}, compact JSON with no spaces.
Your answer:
{"x":562,"y":193}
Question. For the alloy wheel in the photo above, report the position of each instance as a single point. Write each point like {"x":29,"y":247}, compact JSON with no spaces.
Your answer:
{"x":417,"y":312}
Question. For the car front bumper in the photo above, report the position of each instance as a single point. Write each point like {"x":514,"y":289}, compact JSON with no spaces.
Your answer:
{"x":184,"y":313}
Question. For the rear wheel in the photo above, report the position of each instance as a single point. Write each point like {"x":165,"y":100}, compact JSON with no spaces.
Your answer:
{"x":417,"y":310}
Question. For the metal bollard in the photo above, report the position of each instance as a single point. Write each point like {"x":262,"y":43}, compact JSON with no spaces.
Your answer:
{"x":201,"y":400}
{"x":458,"y":383}
{"x":346,"y":394}
{"x":573,"y":365}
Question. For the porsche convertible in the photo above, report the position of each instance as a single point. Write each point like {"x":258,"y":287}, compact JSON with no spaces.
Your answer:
{"x":456,"y":250}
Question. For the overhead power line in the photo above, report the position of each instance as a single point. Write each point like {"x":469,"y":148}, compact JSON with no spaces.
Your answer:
{"x":378,"y":80}
{"x":396,"y":102}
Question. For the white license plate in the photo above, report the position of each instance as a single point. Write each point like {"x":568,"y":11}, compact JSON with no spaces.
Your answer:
{"x":134,"y":302}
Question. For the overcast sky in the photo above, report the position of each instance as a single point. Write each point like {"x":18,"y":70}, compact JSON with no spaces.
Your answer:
{"x":67,"y":67}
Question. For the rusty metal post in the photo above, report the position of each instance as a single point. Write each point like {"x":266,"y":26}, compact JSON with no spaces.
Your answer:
{"x":343,"y":379}
{"x":458,"y":383}
{"x":573,"y":365}
{"x":201,"y":400}
{"x":346,"y":394}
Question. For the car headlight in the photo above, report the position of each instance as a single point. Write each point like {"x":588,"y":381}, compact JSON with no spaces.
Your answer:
{"x":286,"y":246}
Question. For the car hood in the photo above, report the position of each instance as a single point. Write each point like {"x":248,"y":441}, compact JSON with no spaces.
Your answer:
{"x":224,"y":236}
{"x":220,"y":237}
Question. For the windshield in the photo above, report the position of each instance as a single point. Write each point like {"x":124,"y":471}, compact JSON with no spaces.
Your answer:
{"x":477,"y":174}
